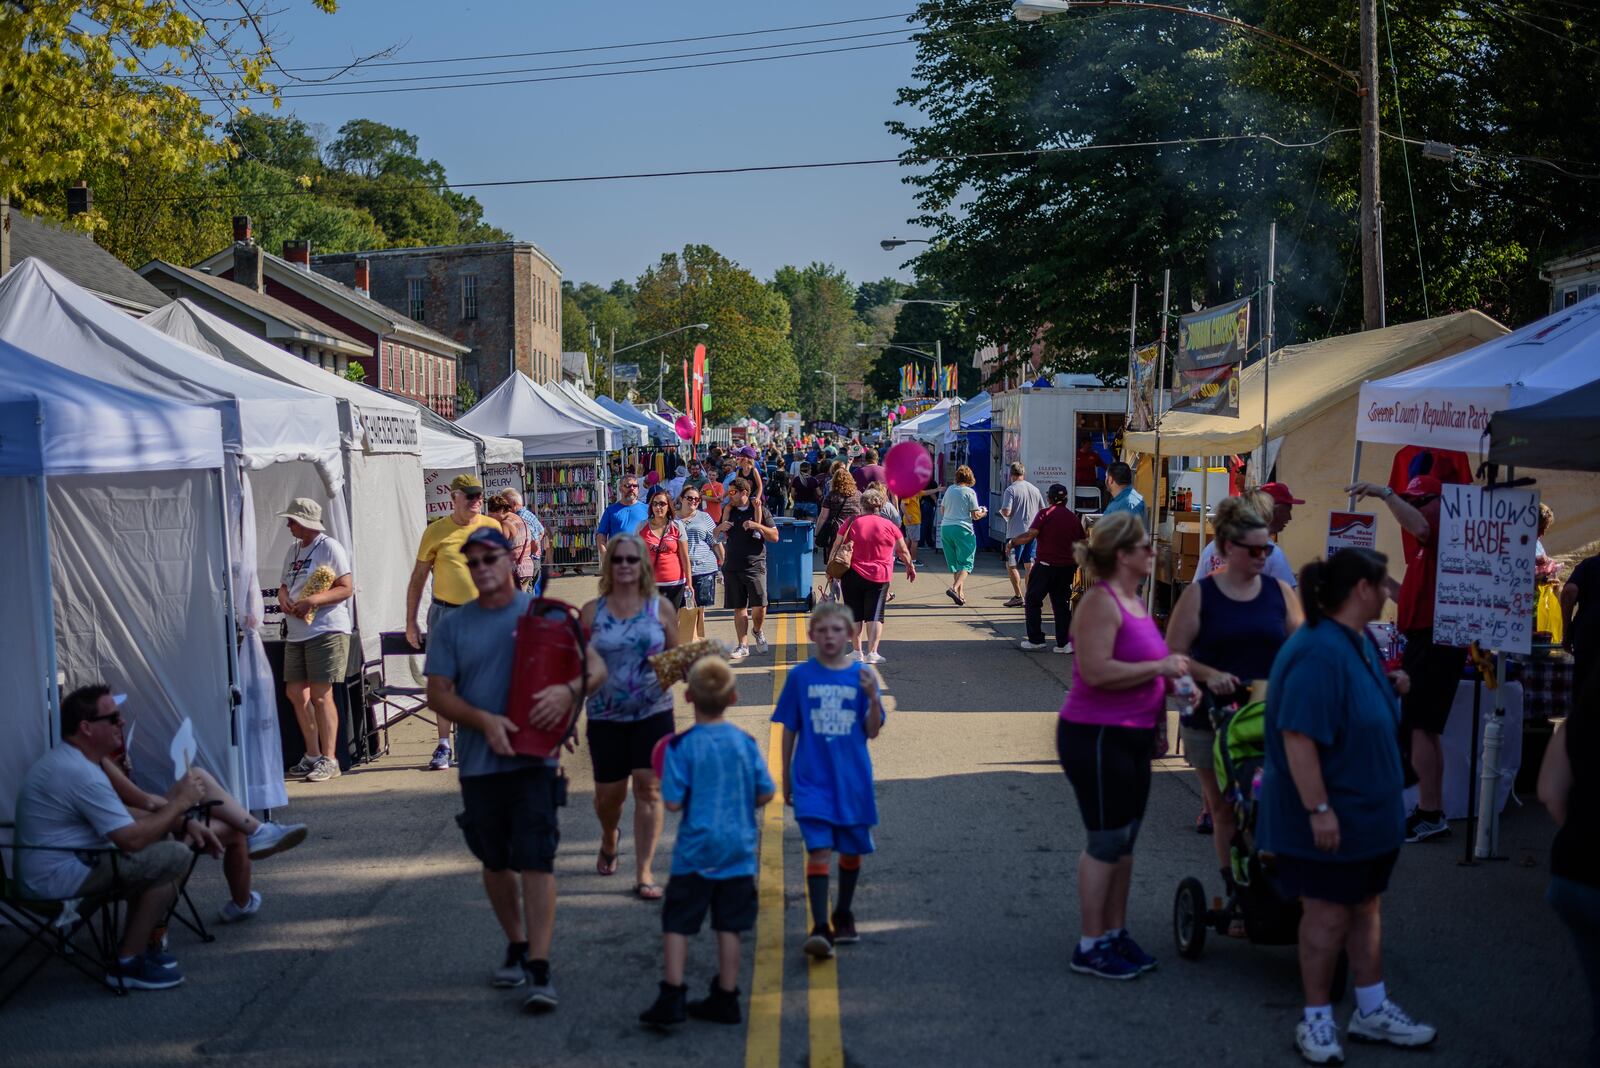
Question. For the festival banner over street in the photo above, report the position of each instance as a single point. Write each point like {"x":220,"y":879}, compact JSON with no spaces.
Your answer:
{"x":1211,"y":348}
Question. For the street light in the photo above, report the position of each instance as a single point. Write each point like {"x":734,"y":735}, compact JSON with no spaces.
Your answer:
{"x":889,"y":244}
{"x":835,"y":378}
{"x":663,"y":375}
{"x":919,"y":300}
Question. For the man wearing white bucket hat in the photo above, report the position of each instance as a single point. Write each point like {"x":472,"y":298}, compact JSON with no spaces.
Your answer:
{"x":314,"y":596}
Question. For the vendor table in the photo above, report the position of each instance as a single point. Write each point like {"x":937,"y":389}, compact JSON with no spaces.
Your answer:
{"x":1547,"y":684}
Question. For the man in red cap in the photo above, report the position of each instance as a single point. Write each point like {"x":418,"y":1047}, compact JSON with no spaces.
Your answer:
{"x":1434,"y":670}
{"x":1278,"y":565}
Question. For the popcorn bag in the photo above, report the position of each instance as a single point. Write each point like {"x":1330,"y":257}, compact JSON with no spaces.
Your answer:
{"x":673,"y":665}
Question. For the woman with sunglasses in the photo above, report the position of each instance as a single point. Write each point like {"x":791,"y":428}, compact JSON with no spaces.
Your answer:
{"x":627,"y":624}
{"x":705,"y":563}
{"x":1231,"y":625}
{"x":668,"y":545}
{"x":1113,"y":723}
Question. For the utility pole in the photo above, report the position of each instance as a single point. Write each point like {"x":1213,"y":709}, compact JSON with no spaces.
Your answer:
{"x":613,"y":363}
{"x":938,"y":367}
{"x":1372,"y":296}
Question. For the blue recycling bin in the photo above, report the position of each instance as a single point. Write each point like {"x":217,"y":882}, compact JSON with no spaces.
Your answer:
{"x":789,"y":567}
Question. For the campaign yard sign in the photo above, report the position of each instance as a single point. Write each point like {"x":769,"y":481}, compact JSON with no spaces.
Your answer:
{"x":1485,"y":588}
{"x":1351,"y":530}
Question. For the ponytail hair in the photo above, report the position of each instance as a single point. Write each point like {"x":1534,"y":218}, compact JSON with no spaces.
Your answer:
{"x":1110,"y":535}
{"x":1325,"y":585}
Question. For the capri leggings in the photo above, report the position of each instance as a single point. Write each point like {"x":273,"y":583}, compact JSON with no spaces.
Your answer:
{"x":1109,"y":769}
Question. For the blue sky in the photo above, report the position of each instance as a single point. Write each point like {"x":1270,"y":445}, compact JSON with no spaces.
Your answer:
{"x":828,"y":107}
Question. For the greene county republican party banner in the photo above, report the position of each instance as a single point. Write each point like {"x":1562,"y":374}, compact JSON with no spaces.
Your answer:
{"x":1211,"y":348}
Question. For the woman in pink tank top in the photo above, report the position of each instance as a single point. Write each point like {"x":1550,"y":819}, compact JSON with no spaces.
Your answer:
{"x":1112,"y":723}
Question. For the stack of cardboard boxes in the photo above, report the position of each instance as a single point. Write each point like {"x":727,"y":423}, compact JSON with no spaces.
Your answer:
{"x":1181,"y":555}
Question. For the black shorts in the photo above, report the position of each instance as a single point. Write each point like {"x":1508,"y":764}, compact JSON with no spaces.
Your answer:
{"x":732,"y":903}
{"x":618,"y":749}
{"x":1341,"y":882}
{"x":674,"y":593}
{"x":705,"y":589}
{"x":745,"y":587}
{"x":1435,"y":672}
{"x":1109,"y":769}
{"x":509,"y":818}
{"x":864,"y":597}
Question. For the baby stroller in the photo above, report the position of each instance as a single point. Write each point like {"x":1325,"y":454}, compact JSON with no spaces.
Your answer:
{"x":1269,"y":920}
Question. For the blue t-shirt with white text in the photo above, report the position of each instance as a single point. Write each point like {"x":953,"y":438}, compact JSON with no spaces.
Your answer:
{"x":830,"y":777}
{"x":716,"y":772}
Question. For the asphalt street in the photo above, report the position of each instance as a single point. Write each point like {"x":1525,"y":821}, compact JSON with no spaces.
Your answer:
{"x":375,"y":942}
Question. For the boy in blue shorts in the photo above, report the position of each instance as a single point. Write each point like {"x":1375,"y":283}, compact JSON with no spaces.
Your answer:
{"x":831,"y":706}
{"x":714,"y":775}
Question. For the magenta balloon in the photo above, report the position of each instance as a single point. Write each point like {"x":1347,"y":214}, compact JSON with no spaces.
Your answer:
{"x":685,"y":427}
{"x":907,"y":466}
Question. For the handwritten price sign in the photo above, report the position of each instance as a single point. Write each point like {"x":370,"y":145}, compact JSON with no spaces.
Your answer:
{"x":1485,"y":582}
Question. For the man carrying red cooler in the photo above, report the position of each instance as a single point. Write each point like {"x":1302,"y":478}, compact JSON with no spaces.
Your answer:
{"x":509,"y":801}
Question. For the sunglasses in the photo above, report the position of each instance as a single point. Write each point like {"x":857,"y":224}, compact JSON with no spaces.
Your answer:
{"x":1142,"y":547}
{"x":1257,"y":552}
{"x":624,"y":560}
{"x":691,"y":500}
{"x":114,"y":718}
{"x":661,"y":502}
{"x":484,"y":560}
{"x":630,"y":485}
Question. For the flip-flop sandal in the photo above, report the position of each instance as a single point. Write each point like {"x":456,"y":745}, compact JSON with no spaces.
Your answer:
{"x":606,"y":863}
{"x":648,"y":891}
{"x":950,"y":593}
{"x":960,"y":601}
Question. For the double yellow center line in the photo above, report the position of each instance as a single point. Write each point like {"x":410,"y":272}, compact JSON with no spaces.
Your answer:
{"x":763,"y":1043}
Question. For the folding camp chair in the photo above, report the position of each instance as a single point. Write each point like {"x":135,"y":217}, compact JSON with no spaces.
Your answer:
{"x":49,"y":924}
{"x":390,"y":702}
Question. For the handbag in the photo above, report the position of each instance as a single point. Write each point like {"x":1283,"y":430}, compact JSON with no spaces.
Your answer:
{"x":550,"y":649}
{"x":843,"y":552}
{"x":1547,"y":614}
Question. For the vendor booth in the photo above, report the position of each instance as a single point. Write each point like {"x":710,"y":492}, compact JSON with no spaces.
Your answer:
{"x":630,"y":434}
{"x":657,"y":432}
{"x":282,"y":442}
{"x":119,"y":571}
{"x":1559,"y":434}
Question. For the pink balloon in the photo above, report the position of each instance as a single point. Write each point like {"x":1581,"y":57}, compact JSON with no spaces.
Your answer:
{"x":685,"y":427}
{"x":907,"y":468}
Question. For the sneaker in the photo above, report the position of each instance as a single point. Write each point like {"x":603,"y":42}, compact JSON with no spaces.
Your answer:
{"x":513,"y":973}
{"x":271,"y":838}
{"x":302,"y":769}
{"x":142,"y":973}
{"x":856,"y":657}
{"x":1390,"y":1024}
{"x":669,"y":1009}
{"x":739,"y":653}
{"x":875,"y":658}
{"x":1125,"y":947}
{"x":1103,"y":962}
{"x":159,"y":957}
{"x":844,"y":929}
{"x":327,"y":768}
{"x":719,"y":1006}
{"x":231,"y":913}
{"x":1032,"y":647}
{"x":1318,"y":1041}
{"x":1421,"y":826}
{"x":541,"y":996}
{"x":761,"y":642}
{"x":820,"y":944}
{"x":1012,"y":602}
{"x":1067,"y":648}
{"x":440,"y":761}
{"x":1202,"y":823}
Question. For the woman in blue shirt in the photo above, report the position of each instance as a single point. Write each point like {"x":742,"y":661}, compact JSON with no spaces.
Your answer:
{"x":958,"y":509}
{"x":1331,"y":807}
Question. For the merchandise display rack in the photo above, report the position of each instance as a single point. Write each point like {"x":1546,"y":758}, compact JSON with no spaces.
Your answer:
{"x":570,"y":496}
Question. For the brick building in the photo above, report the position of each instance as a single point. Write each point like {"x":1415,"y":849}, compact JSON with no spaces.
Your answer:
{"x":501,"y":299}
{"x":409,"y":358}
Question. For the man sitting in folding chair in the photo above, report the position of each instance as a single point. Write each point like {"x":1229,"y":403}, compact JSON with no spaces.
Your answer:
{"x":67,"y":802}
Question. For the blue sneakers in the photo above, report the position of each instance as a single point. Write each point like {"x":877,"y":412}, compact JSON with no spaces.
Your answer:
{"x":143,"y":973}
{"x":1125,"y":947}
{"x":1104,"y":962}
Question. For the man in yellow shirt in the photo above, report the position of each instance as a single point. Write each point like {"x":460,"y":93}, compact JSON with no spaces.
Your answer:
{"x":440,"y":555}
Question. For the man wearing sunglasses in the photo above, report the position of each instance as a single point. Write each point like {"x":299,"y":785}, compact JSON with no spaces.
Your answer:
{"x":68,"y":803}
{"x":508,"y":800}
{"x":624,"y":515}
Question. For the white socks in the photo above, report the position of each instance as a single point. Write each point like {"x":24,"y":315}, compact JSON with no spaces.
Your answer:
{"x":1086,"y":944}
{"x":1369,"y":999}
{"x":1318,"y":1012}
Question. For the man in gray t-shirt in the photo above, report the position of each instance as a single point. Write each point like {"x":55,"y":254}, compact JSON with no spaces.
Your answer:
{"x":1019,"y":504}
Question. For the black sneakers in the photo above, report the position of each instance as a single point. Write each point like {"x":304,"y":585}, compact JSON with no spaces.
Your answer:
{"x":668,"y":1011}
{"x":820,"y":945}
{"x":719,"y":1006}
{"x":844,"y":929}
{"x":1421,"y":826}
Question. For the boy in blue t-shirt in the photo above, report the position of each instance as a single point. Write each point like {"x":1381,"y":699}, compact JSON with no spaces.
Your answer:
{"x":715,"y":775}
{"x":830,"y":707}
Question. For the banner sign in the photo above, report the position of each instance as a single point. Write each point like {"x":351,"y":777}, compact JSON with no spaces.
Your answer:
{"x":498,"y":477}
{"x":1485,"y":590}
{"x":381,"y":430}
{"x":1352,"y":530}
{"x":436,"y":489}
{"x":1211,"y":348}
{"x":1146,"y":362}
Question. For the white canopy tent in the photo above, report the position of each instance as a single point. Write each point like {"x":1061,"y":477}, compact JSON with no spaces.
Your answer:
{"x":119,"y":571}
{"x":925,"y":427}
{"x":631,"y":434}
{"x":610,"y":429}
{"x":381,"y":469}
{"x":282,"y":441}
{"x":517,"y":409}
{"x":656,"y":419}
{"x":653,"y":430}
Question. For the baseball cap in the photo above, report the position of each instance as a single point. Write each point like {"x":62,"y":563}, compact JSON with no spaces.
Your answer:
{"x":750,"y":451}
{"x":1057,"y":492}
{"x":1423,"y":486}
{"x":488,"y":536}
{"x":468,"y":484}
{"x":1280,"y":493}
{"x":305,"y":511}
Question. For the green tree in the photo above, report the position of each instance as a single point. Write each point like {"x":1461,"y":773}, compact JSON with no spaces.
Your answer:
{"x":608,"y":310}
{"x":750,"y":359}
{"x":574,"y":324}
{"x":823,"y":331}
{"x":281,"y":142}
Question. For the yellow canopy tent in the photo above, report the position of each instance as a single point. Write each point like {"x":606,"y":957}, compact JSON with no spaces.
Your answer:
{"x":1312,"y":391}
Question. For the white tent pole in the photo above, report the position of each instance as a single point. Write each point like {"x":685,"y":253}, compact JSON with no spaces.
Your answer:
{"x":1488,"y":837}
{"x":1133,"y":332}
{"x":1161,"y":389}
{"x":235,"y":694}
{"x":47,"y":629}
{"x":1355,"y":471}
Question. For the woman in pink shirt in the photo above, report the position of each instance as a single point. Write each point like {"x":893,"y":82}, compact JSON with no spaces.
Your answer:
{"x":874,"y":543}
{"x":1113,"y":722}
